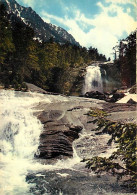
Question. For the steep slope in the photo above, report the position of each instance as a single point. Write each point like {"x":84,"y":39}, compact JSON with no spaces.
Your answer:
{"x":43,"y":31}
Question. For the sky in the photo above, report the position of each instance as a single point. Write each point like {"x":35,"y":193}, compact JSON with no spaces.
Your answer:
{"x":97,"y":23}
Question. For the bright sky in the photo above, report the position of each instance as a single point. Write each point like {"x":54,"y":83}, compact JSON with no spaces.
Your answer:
{"x":96,"y":23}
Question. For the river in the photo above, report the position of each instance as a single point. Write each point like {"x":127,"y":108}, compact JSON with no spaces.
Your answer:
{"x":22,"y":174}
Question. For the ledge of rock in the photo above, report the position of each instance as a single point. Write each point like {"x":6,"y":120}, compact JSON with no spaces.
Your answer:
{"x":63,"y":121}
{"x":57,"y":137}
{"x":104,"y":96}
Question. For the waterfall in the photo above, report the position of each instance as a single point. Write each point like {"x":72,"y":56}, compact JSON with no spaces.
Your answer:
{"x":21,"y":174}
{"x":93,"y":80}
{"x":19,"y":139}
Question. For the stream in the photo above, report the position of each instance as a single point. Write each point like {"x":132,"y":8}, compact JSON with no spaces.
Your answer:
{"x":22,"y":174}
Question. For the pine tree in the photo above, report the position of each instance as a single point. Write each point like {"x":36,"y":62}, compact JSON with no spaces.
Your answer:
{"x":127,"y":59}
{"x":6,"y":45}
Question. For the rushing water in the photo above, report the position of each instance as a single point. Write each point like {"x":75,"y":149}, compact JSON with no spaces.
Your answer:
{"x":21,"y":174}
{"x":19,"y":139}
{"x":93,"y":79}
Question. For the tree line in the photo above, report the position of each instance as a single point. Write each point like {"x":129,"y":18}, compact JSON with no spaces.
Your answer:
{"x":45,"y":64}
{"x":126,"y":60}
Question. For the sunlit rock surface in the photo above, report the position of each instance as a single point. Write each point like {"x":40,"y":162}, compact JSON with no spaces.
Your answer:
{"x":60,"y":125}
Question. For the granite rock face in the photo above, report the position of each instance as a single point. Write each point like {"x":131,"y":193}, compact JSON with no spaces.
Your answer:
{"x":65,"y":119}
{"x":57,"y":136}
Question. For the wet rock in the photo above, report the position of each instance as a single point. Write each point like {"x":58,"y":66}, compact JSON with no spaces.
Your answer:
{"x":63,"y":121}
{"x":72,"y":182}
{"x":131,"y":101}
{"x":96,"y":95}
{"x":57,"y":137}
{"x":54,"y":144}
{"x":104,"y":96}
{"x":116,"y":97}
{"x":119,"y":107}
{"x":34,"y":88}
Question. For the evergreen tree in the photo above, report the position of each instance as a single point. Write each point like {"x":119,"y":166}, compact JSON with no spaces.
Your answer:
{"x":6,"y":45}
{"x":127,"y":60}
{"x":48,"y":65}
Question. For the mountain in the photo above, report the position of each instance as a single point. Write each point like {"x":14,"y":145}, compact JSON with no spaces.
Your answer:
{"x":43,"y":31}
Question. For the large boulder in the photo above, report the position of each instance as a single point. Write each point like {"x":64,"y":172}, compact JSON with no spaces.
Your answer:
{"x":104,"y":96}
{"x":95,"y":95}
{"x":116,"y":96}
{"x":57,"y":137}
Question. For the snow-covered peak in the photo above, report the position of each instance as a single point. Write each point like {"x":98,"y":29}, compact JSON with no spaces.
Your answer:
{"x":43,"y":31}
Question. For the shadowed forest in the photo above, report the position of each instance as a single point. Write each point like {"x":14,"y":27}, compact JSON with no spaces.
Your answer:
{"x":50,"y":64}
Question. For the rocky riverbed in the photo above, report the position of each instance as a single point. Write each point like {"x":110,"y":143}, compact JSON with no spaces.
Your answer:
{"x":65,"y":121}
{"x":67,"y":138}
{"x":58,"y":126}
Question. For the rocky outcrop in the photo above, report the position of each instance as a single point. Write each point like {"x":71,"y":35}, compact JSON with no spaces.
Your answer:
{"x":104,"y":96}
{"x":33,"y":88}
{"x":57,"y":137}
{"x":63,"y":119}
{"x":116,"y":97}
{"x":66,"y":117}
{"x":96,"y":95}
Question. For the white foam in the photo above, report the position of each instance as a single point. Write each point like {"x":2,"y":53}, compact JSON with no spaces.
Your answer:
{"x":93,"y":80}
{"x":19,"y":139}
{"x":63,"y":174}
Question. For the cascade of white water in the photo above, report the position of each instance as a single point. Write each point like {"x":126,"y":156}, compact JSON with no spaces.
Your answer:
{"x":19,"y":139}
{"x":93,"y":80}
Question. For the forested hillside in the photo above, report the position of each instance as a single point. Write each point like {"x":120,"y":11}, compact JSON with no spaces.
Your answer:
{"x":126,"y":61}
{"x":50,"y":65}
{"x":46,"y":64}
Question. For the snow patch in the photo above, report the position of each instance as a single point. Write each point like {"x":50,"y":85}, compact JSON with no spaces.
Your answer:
{"x":127,"y":98}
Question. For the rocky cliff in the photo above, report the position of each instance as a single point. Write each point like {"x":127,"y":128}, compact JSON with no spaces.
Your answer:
{"x":43,"y":31}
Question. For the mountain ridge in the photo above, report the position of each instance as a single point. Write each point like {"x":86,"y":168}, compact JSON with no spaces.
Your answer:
{"x":43,"y":31}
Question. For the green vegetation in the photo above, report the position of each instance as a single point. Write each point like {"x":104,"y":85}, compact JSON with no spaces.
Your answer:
{"x":126,"y":61}
{"x":123,"y":161}
{"x":46,"y":64}
{"x":6,"y":41}
{"x":50,"y":65}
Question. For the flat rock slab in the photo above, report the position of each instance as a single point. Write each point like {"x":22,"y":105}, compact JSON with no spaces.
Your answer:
{"x":72,"y":182}
{"x":119,"y":107}
{"x":64,"y":121}
{"x":57,"y":136}
{"x":66,"y":131}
